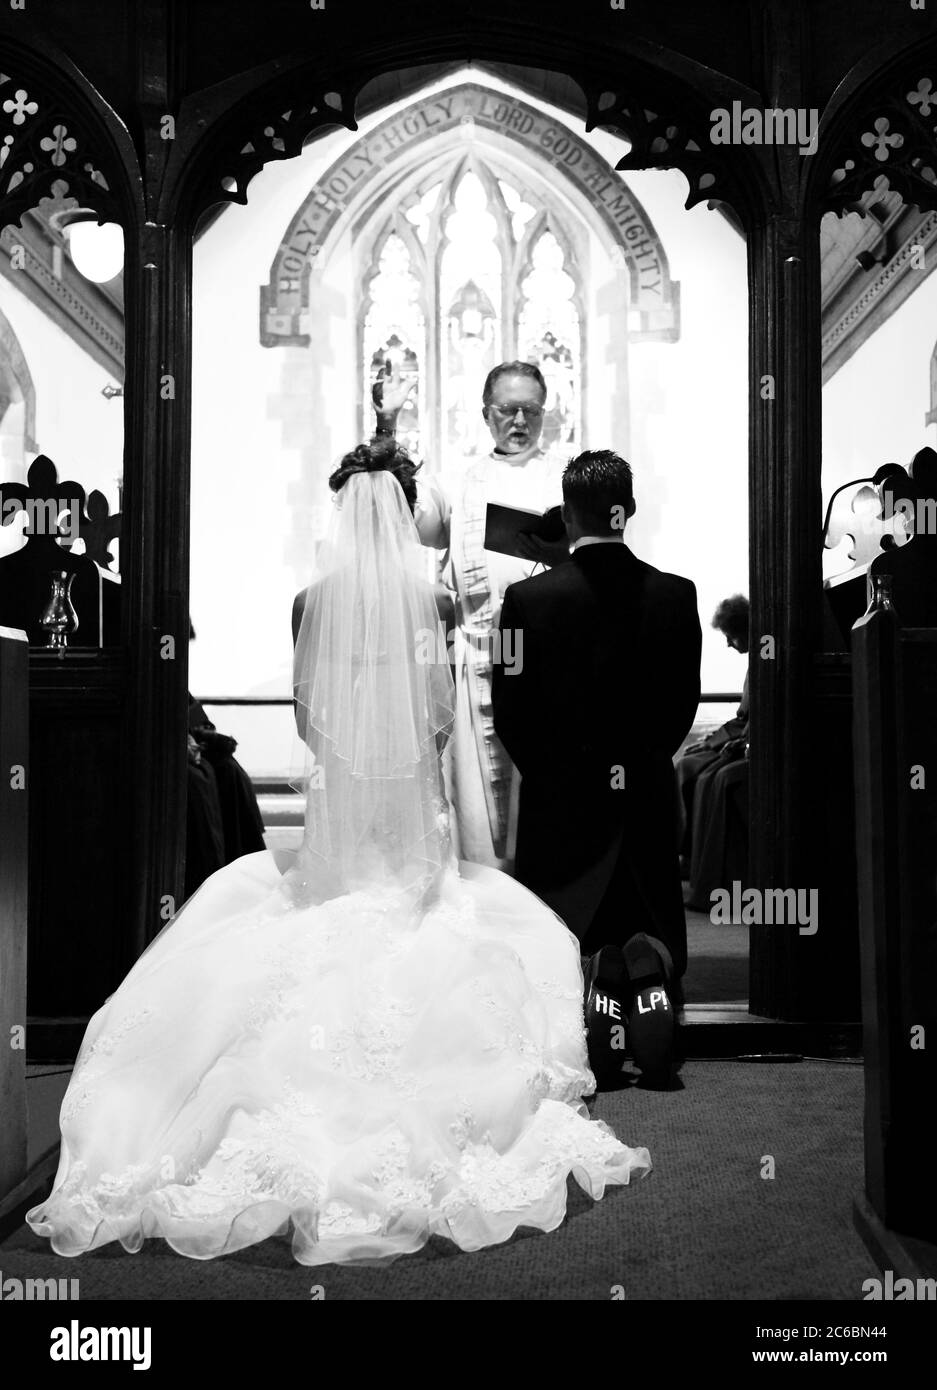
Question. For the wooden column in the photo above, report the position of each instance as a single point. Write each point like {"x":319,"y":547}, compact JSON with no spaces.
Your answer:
{"x":158,"y":294}
{"x":157,"y":286}
{"x":14,"y":793}
{"x":785,"y":580}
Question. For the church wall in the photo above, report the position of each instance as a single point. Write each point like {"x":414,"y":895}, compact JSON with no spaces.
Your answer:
{"x":874,"y":406}
{"x":268,"y":425}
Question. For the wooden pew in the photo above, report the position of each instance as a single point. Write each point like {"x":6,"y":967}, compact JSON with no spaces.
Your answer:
{"x":81,"y":766}
{"x":895,"y":752}
{"x":827,"y":966}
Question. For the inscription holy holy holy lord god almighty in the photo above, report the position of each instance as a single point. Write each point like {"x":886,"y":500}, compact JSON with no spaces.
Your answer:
{"x":469,"y":107}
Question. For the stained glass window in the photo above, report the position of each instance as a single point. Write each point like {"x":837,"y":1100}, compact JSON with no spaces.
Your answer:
{"x":469,"y":269}
{"x":548,"y":333}
{"x":470,"y":290}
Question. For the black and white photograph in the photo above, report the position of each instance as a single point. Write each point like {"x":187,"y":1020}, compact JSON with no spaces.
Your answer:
{"x":468,"y":672}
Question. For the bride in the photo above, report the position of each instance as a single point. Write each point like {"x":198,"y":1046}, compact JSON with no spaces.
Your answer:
{"x":362,"y":1043}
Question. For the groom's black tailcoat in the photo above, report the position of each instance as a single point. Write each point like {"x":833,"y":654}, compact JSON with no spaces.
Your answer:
{"x":608,"y":684}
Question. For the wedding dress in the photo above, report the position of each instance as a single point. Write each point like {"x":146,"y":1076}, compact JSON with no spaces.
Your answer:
{"x":361,"y":1044}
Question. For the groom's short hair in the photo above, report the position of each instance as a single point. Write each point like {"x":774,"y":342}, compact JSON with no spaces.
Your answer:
{"x":598,"y":488}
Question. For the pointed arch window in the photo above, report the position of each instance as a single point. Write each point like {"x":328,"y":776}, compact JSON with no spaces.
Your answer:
{"x":548,"y":332}
{"x":462,"y":267}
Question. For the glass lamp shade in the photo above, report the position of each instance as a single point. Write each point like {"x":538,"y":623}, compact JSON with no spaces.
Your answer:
{"x":97,"y":249}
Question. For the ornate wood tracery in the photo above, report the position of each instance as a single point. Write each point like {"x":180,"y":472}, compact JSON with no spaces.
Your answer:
{"x":891,"y":143}
{"x":673,"y":139}
{"x":255,"y":140}
{"x":48,"y":148}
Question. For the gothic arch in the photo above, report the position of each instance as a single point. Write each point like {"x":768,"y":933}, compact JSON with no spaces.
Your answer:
{"x":519,"y":207}
{"x":438,"y":124}
{"x":658,"y":98}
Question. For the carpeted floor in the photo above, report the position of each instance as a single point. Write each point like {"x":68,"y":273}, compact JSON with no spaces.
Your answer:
{"x":704,"y":1225}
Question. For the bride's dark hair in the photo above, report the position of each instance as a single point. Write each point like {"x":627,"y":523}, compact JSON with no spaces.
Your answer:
{"x":382,"y":455}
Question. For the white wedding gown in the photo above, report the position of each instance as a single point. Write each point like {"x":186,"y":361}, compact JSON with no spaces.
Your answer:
{"x":362,"y":1068}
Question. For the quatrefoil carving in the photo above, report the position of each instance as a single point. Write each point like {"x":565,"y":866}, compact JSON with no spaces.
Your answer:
{"x":47,"y":151}
{"x":892,"y":146}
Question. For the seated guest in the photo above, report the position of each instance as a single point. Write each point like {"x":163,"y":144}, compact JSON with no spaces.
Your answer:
{"x":720,"y":825}
{"x":223,"y":820}
{"x":240,"y":814}
{"x":204,"y":829}
{"x":731,"y":618}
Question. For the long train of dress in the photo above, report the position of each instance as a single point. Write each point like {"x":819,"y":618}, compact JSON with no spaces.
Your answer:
{"x":359,"y":1073}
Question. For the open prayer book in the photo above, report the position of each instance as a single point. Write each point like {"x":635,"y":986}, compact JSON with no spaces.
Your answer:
{"x":504,"y":524}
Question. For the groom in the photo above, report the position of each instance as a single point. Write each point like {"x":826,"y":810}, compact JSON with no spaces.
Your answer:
{"x":607,"y":691}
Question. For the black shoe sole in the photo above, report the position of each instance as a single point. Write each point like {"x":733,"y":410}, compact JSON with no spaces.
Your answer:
{"x":652,"y":1019}
{"x":607,"y":997}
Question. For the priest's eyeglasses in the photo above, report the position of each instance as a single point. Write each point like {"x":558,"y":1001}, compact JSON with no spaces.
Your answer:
{"x":507,"y":412}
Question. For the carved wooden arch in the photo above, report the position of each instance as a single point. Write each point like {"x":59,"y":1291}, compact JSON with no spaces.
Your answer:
{"x":880,"y":122}
{"x":657,"y":98}
{"x":369,"y":167}
{"x":59,"y":135}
